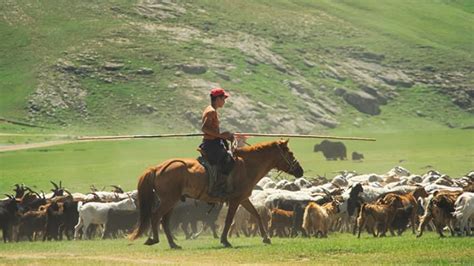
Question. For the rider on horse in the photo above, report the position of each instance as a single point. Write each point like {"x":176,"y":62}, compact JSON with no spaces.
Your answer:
{"x":214,"y":145}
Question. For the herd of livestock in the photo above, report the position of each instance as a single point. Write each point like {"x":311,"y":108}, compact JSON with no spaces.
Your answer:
{"x":350,"y":202}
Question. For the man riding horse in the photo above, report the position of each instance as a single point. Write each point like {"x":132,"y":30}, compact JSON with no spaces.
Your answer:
{"x":161,"y":186}
{"x":214,"y":145}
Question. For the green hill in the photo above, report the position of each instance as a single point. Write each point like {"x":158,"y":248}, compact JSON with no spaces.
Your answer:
{"x":291,"y":66}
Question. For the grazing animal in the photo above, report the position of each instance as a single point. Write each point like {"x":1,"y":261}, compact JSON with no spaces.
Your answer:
{"x":332,"y":150}
{"x":241,"y":223}
{"x":381,"y":213}
{"x":464,"y":211}
{"x":54,"y":222}
{"x":317,"y":219}
{"x":402,"y":217}
{"x":120,"y":220}
{"x":97,"y":213}
{"x":8,"y":209}
{"x":407,"y":200}
{"x":33,"y":222}
{"x":440,"y":208}
{"x":280,"y":221}
{"x":70,"y":218}
{"x":160,"y":187}
{"x":357,"y":156}
{"x":189,"y":212}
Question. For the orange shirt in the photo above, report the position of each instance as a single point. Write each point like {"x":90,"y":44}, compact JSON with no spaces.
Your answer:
{"x":211,"y":121}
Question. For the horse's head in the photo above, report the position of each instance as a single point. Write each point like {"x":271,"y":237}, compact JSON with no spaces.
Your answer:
{"x":287,"y":161}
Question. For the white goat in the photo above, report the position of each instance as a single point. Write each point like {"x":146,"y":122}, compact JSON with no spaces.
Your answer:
{"x":96,"y":213}
{"x":464,"y":211}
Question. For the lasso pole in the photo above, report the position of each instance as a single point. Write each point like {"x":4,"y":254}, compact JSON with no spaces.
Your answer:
{"x":236,"y":134}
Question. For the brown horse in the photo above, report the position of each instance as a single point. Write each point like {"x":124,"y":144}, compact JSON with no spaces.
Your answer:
{"x":160,"y":187}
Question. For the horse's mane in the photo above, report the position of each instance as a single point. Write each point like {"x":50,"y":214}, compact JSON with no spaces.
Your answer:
{"x":255,"y":147}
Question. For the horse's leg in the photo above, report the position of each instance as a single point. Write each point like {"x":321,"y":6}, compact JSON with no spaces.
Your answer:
{"x":165,"y":222}
{"x":228,"y":221}
{"x":164,"y":207}
{"x":232,"y":229}
{"x":250,"y":208}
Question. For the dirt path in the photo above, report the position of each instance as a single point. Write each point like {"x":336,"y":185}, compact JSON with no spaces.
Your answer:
{"x":16,"y":147}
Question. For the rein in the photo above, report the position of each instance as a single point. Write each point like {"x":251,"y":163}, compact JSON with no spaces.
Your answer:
{"x":290,"y":164}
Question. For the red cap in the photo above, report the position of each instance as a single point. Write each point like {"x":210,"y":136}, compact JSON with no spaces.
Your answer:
{"x":219,"y":92}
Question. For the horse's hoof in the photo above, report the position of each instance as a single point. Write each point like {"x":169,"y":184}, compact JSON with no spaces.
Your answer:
{"x":267,"y":241}
{"x":151,"y":241}
{"x":226,"y":244}
{"x":174,"y":246}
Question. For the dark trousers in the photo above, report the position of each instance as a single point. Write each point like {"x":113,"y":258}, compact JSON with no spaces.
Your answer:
{"x":216,"y":153}
{"x":214,"y":150}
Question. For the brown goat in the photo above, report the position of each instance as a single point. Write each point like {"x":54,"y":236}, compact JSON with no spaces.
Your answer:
{"x":280,"y":221}
{"x":409,"y":203}
{"x":382,"y":214}
{"x":317,"y":219}
{"x":440,"y":209}
{"x":33,"y":222}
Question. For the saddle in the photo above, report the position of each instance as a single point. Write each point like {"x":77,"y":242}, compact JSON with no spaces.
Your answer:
{"x":219,"y":176}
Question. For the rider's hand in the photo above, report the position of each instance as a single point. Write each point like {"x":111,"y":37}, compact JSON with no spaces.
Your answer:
{"x":227,"y":135}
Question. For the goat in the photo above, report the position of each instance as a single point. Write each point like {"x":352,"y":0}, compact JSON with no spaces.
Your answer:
{"x":119,"y":220}
{"x":54,"y":222}
{"x":464,"y":211}
{"x":8,"y":209}
{"x":240,"y":223}
{"x":96,"y":213}
{"x":280,"y":221}
{"x":33,"y":222}
{"x":439,"y":209}
{"x":317,"y":219}
{"x":407,"y":200}
{"x":381,"y":213}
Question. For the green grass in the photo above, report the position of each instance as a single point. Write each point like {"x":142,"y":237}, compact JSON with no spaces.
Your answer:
{"x":336,"y":249}
{"x":121,"y":162}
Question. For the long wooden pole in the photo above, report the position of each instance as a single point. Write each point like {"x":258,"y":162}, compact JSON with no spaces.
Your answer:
{"x":303,"y":136}
{"x":237,"y":134}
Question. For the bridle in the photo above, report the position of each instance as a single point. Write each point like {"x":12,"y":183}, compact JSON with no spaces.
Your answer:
{"x":291,"y":163}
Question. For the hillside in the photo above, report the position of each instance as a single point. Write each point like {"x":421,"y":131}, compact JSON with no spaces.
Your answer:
{"x":291,"y":66}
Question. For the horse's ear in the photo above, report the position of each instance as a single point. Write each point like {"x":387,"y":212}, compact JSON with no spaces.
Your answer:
{"x":284,"y":142}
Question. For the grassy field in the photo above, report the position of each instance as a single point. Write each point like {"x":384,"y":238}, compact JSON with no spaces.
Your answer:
{"x":413,"y":130}
{"x":79,"y":165}
{"x":336,"y":249}
{"x":410,"y":35}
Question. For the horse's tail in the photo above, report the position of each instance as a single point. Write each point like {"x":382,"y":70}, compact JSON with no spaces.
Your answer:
{"x":146,"y":202}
